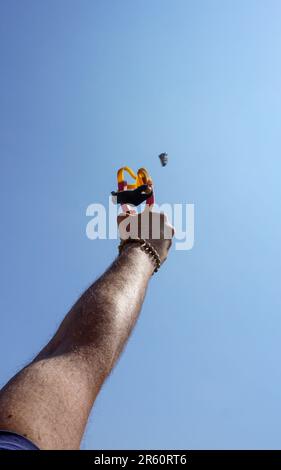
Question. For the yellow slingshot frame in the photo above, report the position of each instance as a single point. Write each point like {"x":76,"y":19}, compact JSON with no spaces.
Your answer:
{"x":140,"y":179}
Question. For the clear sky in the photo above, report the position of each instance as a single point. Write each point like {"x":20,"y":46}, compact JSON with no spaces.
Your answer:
{"x":87,"y":86}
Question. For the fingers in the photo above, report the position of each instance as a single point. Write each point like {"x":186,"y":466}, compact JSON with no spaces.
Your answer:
{"x":122,"y":217}
{"x":169,"y":229}
{"x":147,"y":209}
{"x":166,"y":227}
{"x":168,"y":232}
{"x":147,"y":225}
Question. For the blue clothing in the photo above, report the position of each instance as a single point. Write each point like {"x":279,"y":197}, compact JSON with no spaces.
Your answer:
{"x":13,"y":441}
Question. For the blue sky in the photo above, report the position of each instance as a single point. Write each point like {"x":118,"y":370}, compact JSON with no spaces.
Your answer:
{"x":88,"y":86}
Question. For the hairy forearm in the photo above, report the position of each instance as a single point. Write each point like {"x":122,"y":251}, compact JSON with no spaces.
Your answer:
{"x":97,"y":327}
{"x":57,"y":390}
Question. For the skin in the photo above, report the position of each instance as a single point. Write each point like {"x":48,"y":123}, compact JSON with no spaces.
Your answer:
{"x":50,"y":400}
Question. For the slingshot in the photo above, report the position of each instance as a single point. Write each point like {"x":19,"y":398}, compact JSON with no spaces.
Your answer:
{"x":136,"y":193}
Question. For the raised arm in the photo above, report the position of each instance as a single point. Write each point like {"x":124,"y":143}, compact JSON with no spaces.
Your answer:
{"x":50,"y":400}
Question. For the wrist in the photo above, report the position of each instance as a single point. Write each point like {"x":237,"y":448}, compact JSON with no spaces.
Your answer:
{"x":146,"y":247}
{"x":137,"y":257}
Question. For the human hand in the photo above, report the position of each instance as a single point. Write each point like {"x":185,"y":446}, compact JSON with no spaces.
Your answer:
{"x":153,"y":227}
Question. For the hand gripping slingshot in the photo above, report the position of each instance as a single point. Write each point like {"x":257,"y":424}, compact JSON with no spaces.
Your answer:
{"x":136,"y":193}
